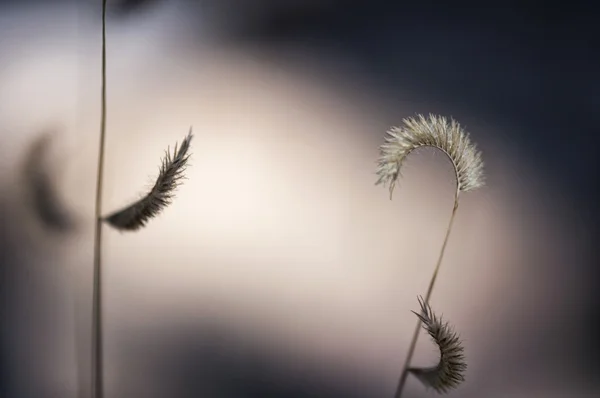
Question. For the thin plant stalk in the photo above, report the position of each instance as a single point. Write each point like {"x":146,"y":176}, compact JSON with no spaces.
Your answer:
{"x":413,"y":344}
{"x":97,"y":341}
{"x":453,"y":141}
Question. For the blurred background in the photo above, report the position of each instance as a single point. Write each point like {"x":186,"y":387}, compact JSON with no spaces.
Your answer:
{"x":280,"y":270}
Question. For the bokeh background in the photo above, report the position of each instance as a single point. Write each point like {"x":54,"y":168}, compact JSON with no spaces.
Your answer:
{"x":281,"y":270}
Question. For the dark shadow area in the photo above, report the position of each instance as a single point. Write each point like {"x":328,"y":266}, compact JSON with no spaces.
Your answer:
{"x":517,"y":65}
{"x":210,"y":361}
{"x":45,"y":203}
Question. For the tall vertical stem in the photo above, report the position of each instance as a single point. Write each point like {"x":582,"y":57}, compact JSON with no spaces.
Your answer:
{"x":413,"y":344}
{"x":97,"y":358}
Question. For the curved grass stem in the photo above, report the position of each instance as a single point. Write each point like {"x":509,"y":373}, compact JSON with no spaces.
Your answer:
{"x":413,"y":344}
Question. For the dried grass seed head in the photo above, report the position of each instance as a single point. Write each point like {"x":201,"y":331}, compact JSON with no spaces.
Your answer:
{"x":171,"y":173}
{"x":437,"y":132}
{"x":450,"y":371}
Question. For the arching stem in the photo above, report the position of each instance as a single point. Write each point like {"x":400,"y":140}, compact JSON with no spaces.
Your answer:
{"x":413,"y":344}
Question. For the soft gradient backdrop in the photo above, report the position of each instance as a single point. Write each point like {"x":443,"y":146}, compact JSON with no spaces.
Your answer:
{"x":281,"y":270}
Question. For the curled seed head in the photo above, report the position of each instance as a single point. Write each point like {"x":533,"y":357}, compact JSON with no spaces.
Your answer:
{"x":450,"y":371}
{"x":136,"y":215}
{"x":435,"y":132}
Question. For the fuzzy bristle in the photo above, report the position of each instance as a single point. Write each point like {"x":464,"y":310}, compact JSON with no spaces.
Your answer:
{"x":450,"y":371}
{"x":136,"y":215}
{"x":436,"y":132}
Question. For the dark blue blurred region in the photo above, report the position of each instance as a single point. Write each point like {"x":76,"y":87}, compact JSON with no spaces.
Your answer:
{"x":212,"y":361}
{"x":521,"y":65}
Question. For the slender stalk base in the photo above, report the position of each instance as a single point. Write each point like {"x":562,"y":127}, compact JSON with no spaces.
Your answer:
{"x":413,"y":344}
{"x":97,"y":352}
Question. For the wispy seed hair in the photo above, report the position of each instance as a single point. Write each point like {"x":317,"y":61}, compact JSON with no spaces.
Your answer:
{"x":436,"y":132}
{"x":450,"y":371}
{"x":171,"y":173}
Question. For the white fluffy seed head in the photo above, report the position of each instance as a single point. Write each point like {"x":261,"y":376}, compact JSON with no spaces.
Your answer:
{"x":436,"y":132}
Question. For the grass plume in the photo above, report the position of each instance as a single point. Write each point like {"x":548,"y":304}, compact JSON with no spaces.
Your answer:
{"x":448,"y":137}
{"x":136,"y":215}
{"x":435,"y":132}
{"x":450,"y":370}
